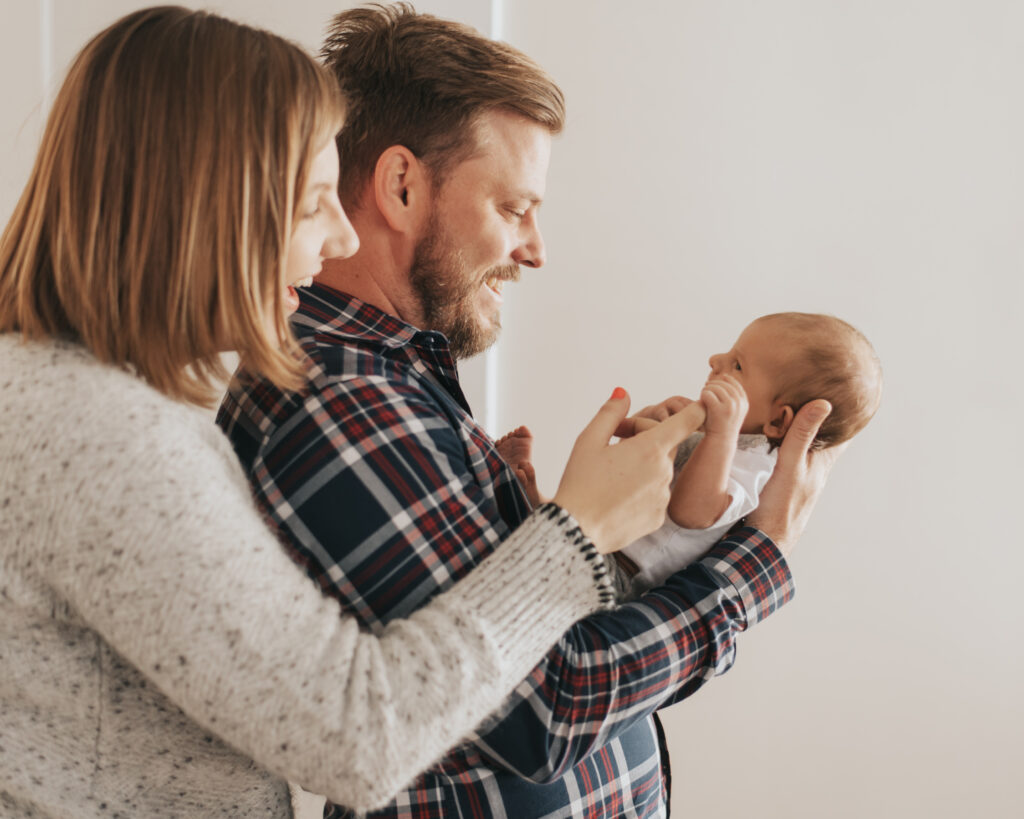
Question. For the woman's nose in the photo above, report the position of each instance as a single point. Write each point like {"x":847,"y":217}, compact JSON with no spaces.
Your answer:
{"x":342,"y":241}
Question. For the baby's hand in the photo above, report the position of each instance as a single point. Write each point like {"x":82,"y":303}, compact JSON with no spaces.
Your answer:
{"x":726,"y":403}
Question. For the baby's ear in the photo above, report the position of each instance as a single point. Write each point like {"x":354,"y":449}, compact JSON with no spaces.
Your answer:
{"x":778,"y":426}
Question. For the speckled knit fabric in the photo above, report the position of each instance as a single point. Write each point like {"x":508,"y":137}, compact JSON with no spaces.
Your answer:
{"x":161,"y":655}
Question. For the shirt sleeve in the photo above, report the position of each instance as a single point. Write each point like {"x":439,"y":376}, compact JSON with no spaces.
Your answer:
{"x":615,"y":668}
{"x":390,"y":456}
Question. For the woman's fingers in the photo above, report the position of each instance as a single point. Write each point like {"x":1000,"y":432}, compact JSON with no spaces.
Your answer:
{"x":648,"y":416}
{"x":620,"y":492}
{"x":677,"y":428}
{"x":607,"y":422}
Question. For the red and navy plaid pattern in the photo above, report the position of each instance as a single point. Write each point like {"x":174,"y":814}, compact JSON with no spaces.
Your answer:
{"x":388,"y":492}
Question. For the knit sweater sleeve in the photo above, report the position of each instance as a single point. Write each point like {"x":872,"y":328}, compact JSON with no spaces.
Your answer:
{"x":158,"y":547}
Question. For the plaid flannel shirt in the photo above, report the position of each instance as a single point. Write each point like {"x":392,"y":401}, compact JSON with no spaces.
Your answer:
{"x":388,"y":492}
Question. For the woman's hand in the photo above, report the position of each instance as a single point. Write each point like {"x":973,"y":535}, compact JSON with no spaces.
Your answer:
{"x":651,"y":416}
{"x":619,"y":492}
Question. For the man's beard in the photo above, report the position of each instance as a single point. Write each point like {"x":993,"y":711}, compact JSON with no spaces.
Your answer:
{"x":448,"y":293}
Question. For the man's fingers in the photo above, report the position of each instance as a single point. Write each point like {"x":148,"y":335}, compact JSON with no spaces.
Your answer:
{"x":805,"y":426}
{"x":677,"y":428}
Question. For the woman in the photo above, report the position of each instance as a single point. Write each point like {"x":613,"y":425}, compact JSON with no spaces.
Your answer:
{"x":162,"y":654}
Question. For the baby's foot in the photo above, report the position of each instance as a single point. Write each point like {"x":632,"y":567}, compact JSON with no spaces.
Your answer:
{"x":528,"y":480}
{"x":516,"y":447}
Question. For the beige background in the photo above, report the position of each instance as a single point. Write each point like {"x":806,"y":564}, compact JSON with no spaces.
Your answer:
{"x":728,"y":159}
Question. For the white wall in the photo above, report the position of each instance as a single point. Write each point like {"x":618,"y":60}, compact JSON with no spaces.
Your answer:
{"x":725,"y":160}
{"x":728,"y":159}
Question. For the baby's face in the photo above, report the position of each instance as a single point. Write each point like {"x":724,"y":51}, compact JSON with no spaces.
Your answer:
{"x":757,"y":360}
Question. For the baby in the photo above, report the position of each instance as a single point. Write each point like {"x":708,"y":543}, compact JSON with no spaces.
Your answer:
{"x":778,"y":364}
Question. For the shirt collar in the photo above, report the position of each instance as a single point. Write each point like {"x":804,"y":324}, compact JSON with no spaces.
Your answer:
{"x":324,"y":310}
{"x":332,"y":316}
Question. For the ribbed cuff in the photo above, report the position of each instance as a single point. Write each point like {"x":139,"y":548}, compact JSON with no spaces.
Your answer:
{"x":541,"y":580}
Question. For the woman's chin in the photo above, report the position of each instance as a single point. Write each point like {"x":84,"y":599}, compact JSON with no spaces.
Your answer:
{"x":290,"y":299}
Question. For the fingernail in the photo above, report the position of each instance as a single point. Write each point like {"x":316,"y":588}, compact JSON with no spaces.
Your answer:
{"x":618,"y":392}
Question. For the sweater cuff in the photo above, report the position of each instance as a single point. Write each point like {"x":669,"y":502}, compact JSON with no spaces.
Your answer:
{"x":542,"y":579}
{"x":755,"y":567}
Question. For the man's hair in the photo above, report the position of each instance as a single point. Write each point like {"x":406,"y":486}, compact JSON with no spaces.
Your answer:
{"x":155,"y":224}
{"x":422,"y":82}
{"x":830,"y":359}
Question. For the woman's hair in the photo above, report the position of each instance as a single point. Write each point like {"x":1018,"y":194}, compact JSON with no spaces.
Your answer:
{"x":155,"y":224}
{"x":830,"y":359}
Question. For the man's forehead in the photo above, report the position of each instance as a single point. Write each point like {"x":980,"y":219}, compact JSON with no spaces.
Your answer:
{"x":510,"y":150}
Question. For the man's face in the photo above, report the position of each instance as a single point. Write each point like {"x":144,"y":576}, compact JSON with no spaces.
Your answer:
{"x":483,"y":226}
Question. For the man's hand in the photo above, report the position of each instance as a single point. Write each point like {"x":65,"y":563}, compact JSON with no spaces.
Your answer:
{"x":790,"y":494}
{"x":726,"y":403}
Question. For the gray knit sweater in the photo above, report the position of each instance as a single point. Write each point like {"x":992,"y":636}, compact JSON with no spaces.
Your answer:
{"x":161,"y":655}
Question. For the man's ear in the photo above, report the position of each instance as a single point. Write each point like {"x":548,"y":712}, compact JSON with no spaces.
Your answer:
{"x":401,"y":189}
{"x":778,"y":426}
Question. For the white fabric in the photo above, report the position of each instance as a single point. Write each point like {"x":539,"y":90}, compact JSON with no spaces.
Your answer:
{"x":163,"y":656}
{"x":671,"y":548}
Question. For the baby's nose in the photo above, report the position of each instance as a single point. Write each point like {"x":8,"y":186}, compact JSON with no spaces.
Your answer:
{"x":713,"y":362}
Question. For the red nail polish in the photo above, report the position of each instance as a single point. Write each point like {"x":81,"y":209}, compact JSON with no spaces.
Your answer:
{"x":618,"y":392}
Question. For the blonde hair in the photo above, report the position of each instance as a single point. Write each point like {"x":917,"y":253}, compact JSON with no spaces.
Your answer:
{"x":423,"y":82}
{"x":831,"y":359}
{"x":155,"y":224}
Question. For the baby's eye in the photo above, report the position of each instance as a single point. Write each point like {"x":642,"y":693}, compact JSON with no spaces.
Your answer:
{"x":736,"y":366}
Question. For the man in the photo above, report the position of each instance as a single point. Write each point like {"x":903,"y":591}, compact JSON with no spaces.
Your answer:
{"x":389,"y":491}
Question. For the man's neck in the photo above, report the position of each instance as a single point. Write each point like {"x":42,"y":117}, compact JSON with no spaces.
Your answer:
{"x":359,"y":281}
{"x":377,"y":274}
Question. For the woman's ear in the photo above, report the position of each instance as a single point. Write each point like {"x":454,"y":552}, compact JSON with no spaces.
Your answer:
{"x":400,"y":189}
{"x":778,"y":426}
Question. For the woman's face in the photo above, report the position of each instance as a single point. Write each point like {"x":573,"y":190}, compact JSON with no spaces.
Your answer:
{"x":322,"y":230}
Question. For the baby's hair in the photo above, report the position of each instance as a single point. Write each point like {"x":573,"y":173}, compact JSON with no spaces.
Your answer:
{"x":832,"y":360}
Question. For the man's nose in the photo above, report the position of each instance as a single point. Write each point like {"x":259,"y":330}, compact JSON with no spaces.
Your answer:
{"x":531,"y":251}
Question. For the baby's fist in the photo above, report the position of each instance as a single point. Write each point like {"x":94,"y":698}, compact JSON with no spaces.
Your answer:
{"x":726,"y":403}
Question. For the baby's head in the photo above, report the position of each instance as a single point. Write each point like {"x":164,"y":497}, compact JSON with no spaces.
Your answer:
{"x":785,"y":360}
